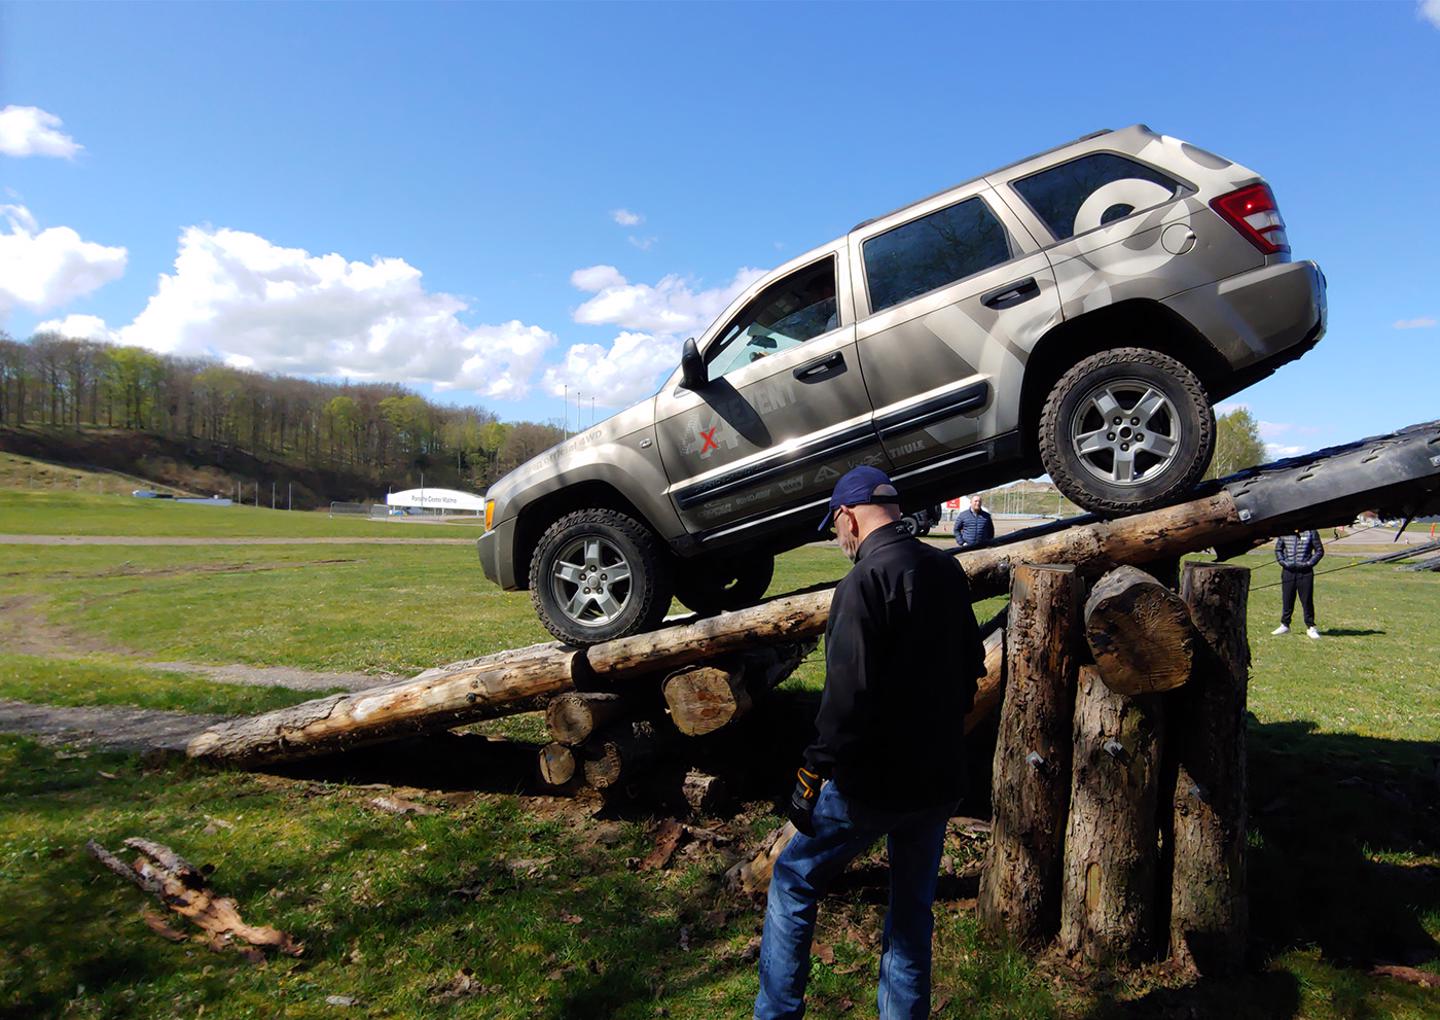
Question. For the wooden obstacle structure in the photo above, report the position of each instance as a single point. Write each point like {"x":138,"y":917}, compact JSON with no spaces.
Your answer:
{"x":1119,"y":783}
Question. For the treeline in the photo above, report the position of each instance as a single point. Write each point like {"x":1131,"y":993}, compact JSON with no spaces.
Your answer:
{"x":375,"y":430}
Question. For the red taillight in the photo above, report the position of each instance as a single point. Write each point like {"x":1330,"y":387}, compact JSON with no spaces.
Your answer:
{"x":1253,"y":212}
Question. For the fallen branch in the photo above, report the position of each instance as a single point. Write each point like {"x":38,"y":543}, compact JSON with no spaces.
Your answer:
{"x":181,"y":886}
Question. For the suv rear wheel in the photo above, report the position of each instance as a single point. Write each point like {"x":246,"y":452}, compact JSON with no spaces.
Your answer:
{"x":597,"y":575}
{"x":1127,"y":430}
{"x":719,"y":586}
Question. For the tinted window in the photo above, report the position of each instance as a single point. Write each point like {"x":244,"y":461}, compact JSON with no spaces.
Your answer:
{"x":1093,"y":190}
{"x":783,"y":316}
{"x":933,"y":251}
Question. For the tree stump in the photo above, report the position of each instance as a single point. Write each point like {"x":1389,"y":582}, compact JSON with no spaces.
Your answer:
{"x":1020,"y":886}
{"x":1108,"y":908}
{"x":1139,"y":632}
{"x":1209,"y":916}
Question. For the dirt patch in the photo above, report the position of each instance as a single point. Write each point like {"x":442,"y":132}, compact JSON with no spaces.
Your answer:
{"x":24,"y":630}
{"x":108,"y":728}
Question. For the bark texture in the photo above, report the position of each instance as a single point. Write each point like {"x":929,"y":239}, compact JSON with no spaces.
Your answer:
{"x":1209,"y":917}
{"x":1020,"y":886}
{"x":1108,"y":907}
{"x":441,"y":699}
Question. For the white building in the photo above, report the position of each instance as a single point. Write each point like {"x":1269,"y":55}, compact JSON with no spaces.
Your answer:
{"x":450,"y":500}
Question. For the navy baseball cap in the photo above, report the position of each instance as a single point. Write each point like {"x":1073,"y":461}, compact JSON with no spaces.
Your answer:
{"x":855,"y":487}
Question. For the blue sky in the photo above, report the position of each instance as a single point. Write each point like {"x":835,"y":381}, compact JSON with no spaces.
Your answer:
{"x":492,"y":202}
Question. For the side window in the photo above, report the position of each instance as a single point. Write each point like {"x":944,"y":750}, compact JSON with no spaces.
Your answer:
{"x":1093,"y":190}
{"x":933,"y":251}
{"x":783,"y":316}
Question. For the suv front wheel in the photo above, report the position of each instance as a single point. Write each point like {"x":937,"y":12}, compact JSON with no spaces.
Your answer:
{"x":597,"y":575}
{"x":1127,"y":430}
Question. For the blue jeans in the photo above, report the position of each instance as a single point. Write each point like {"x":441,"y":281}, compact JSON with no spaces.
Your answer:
{"x":844,"y":829}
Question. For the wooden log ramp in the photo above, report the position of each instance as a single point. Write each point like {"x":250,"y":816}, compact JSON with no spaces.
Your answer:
{"x":482,"y":688}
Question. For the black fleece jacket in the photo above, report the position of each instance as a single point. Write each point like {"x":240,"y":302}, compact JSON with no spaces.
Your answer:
{"x":902,"y":654}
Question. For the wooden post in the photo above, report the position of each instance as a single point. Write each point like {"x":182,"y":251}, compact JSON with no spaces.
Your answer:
{"x":1020,"y":886}
{"x":573,"y":717}
{"x":1209,"y":916}
{"x":1139,"y":632}
{"x":1108,"y":908}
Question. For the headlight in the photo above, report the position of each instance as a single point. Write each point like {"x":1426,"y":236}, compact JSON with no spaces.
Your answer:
{"x":489,"y":513}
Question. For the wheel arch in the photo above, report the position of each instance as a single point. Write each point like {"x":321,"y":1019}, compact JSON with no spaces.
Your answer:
{"x":1135,"y":323}
{"x":548,"y":509}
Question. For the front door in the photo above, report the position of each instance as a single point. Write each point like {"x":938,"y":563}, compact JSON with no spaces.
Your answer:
{"x":785,"y":412}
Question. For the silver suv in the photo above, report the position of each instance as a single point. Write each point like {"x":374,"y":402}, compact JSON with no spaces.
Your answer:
{"x":1078,"y":313}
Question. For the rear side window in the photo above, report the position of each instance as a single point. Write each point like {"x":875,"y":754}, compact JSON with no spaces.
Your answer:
{"x":1093,"y":190}
{"x":933,"y":251}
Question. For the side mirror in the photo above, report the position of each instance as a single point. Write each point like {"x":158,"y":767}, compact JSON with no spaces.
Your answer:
{"x":692,"y":367}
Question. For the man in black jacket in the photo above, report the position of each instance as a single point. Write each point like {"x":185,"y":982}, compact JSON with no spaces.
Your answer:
{"x":1297,"y":555}
{"x":902,"y":654}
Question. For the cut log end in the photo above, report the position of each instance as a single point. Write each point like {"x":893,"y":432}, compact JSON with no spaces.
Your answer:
{"x":1139,"y":632}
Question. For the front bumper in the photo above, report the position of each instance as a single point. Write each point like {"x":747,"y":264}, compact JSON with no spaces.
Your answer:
{"x":1259,"y":319}
{"x":497,"y":558}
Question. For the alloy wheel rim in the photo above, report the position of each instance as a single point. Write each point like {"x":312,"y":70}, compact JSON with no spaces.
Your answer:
{"x":591,"y":581}
{"x":1125,"y":432}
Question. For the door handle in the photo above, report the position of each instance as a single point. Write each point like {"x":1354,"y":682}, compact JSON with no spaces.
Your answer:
{"x":820,"y":367}
{"x":1011,"y":294}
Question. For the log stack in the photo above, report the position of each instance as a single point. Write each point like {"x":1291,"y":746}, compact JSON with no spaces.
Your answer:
{"x":1119,"y":783}
{"x":611,"y":740}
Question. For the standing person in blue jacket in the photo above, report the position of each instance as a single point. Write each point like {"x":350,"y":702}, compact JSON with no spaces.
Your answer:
{"x":902,"y":654}
{"x":973,"y":527}
{"x":1297,"y":555}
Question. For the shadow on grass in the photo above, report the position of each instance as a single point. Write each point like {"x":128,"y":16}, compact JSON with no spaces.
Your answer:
{"x":1337,"y":821}
{"x":1349,"y":632}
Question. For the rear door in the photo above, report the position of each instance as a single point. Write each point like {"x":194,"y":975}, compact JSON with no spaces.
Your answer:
{"x":784,"y":414}
{"x":955,"y":293}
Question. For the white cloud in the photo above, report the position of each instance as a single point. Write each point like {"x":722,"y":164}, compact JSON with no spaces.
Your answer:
{"x":44,"y":269}
{"x":596,"y":278}
{"x":1429,"y":10}
{"x":626,"y":218}
{"x":240,"y":298}
{"x":79,"y":327}
{"x":31,"y":131}
{"x":643,"y":243}
{"x":627,"y":371}
{"x":672,"y":307}
{"x":1275,"y":451}
{"x":652,"y":320}
{"x":1273,"y":429}
{"x":1425,"y":321}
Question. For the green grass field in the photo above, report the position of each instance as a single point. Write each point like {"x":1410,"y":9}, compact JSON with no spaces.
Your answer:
{"x":80,"y":513}
{"x":515,"y":906}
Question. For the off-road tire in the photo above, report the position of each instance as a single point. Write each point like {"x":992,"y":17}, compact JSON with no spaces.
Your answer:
{"x":911,"y":526}
{"x":723,"y":585}
{"x":651,"y":578}
{"x":1193,"y":415}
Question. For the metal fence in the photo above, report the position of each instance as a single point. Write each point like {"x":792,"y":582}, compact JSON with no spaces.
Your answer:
{"x":358,"y":509}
